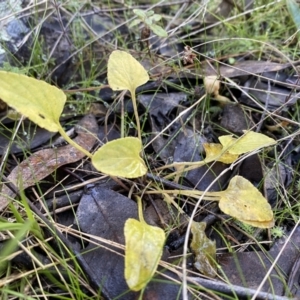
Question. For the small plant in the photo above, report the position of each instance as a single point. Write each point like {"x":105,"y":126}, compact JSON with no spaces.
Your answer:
{"x":149,"y":19}
{"x":43,"y":104}
{"x":277,"y":232}
{"x":240,"y":200}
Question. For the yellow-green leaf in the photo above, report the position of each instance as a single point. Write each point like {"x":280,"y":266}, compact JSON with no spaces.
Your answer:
{"x":39,"y":101}
{"x":244,"y":202}
{"x":124,"y":72}
{"x":215,"y":152}
{"x":143,"y":250}
{"x":204,"y":250}
{"x":121,"y":158}
{"x":250,"y":141}
{"x":158,"y":30}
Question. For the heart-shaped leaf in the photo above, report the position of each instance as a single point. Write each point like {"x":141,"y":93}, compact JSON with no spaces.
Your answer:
{"x":143,"y":250}
{"x":39,"y":101}
{"x":124,"y":72}
{"x":243,"y":201}
{"x":250,"y":141}
{"x":121,"y":157}
{"x":144,"y":244}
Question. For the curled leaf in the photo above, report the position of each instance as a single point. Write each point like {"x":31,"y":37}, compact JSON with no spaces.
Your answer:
{"x":204,"y":250}
{"x":212,"y":86}
{"x":216,"y":152}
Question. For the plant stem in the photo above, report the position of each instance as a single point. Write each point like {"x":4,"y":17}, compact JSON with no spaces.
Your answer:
{"x":187,"y":167}
{"x":71,"y":142}
{"x":122,"y":118}
{"x":140,"y":209}
{"x":209,"y":196}
{"x":121,"y":99}
{"x":136,"y":114}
